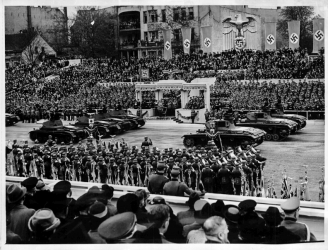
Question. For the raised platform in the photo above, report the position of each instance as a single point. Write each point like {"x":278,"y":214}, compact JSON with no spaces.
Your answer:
{"x":181,"y":113}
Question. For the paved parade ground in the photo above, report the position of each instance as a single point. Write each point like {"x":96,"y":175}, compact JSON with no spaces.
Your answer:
{"x":306,"y":147}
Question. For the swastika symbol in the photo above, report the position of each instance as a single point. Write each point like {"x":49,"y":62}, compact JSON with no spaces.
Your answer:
{"x":239,"y":43}
{"x":293,"y":38}
{"x":186,"y":43}
{"x":318,"y":35}
{"x":167,"y":45}
{"x":144,"y":73}
{"x":270,"y":39}
{"x":207,"y":42}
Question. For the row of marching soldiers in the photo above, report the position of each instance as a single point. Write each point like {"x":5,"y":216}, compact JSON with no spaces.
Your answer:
{"x":238,"y":171}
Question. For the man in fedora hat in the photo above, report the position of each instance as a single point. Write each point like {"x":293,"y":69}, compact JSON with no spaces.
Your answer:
{"x":30,"y":184}
{"x":42,"y":225}
{"x":231,"y":213}
{"x":291,"y":208}
{"x":187,"y":217}
{"x":276,"y":234}
{"x":19,"y":214}
{"x":158,"y":180}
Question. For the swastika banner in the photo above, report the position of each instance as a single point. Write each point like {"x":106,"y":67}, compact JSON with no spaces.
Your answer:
{"x":206,"y":39}
{"x":167,"y":44}
{"x":318,"y":34}
{"x":186,"y":39}
{"x":270,"y":36}
{"x":144,"y":73}
{"x":294,"y":34}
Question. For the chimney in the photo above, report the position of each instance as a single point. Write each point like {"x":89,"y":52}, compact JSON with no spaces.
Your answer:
{"x":29,"y":19}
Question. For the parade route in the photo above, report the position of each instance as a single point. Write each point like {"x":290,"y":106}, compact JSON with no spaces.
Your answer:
{"x":306,"y":147}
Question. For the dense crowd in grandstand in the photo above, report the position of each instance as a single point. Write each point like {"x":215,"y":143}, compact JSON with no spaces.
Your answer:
{"x":76,"y":87}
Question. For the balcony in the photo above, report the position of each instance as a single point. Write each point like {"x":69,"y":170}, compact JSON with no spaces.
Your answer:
{"x":158,"y":43}
{"x":128,"y":45}
{"x":129,"y":26}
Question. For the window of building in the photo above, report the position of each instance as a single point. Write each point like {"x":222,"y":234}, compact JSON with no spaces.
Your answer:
{"x":191,"y":13}
{"x":153,"y":16}
{"x":146,"y":36}
{"x":176,"y":35}
{"x":153,"y":36}
{"x":164,"y":15}
{"x":175,"y":14}
{"x":183,"y":13}
{"x":145,"y":16}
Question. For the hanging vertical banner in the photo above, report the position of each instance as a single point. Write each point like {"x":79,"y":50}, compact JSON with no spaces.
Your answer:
{"x":294,"y":34}
{"x":318,"y":34}
{"x":206,"y":39}
{"x":167,"y":44}
{"x":270,"y":36}
{"x":186,"y":39}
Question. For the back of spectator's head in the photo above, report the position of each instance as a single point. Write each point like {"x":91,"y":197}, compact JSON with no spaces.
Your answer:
{"x":232,"y":214}
{"x":251,"y":227}
{"x":203,"y":211}
{"x":159,"y":215}
{"x":99,"y":213}
{"x":30,"y":183}
{"x":118,"y":227}
{"x":41,"y":186}
{"x":272,"y":217}
{"x":192,"y":199}
{"x":216,"y":229}
{"x":62,"y":188}
{"x":142,"y":196}
{"x":217,"y":208}
{"x":127,"y":203}
{"x":108,"y":191}
{"x":84,"y":202}
{"x":247,"y":206}
{"x":15,"y":194}
{"x":43,"y":221}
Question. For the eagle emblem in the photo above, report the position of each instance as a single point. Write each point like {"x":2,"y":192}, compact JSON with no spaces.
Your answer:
{"x":239,"y":25}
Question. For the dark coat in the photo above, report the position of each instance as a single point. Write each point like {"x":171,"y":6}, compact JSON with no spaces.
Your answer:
{"x":280,"y":235}
{"x":156,"y":183}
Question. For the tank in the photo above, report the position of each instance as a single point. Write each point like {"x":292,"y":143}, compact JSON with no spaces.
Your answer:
{"x":231,"y":136}
{"x":301,"y":120}
{"x":137,"y":120}
{"x":56,"y":129}
{"x":275,"y":128}
{"x":105,"y":129}
{"x":11,"y":119}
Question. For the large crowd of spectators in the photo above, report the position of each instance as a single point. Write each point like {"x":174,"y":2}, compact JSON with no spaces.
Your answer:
{"x":76,"y":87}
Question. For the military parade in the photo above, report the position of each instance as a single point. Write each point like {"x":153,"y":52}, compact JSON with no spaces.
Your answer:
{"x":110,"y":140}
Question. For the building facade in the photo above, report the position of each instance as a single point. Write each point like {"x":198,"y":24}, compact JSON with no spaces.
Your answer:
{"x":51,"y":23}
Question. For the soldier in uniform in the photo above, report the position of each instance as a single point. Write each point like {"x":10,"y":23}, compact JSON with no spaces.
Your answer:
{"x":175,"y":187}
{"x":207,"y":178}
{"x":147,"y":143}
{"x":224,"y":181}
{"x":158,"y":180}
{"x":291,"y":208}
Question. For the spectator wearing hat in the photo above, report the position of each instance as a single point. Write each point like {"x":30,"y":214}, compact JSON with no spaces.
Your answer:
{"x":187,"y":217}
{"x":42,"y":194}
{"x":129,"y":203}
{"x":61,"y":202}
{"x":217,"y":208}
{"x":142,"y":213}
{"x":108,"y":193}
{"x":158,"y":180}
{"x":175,"y":187}
{"x":120,"y":228}
{"x":174,"y":232}
{"x":160,"y":218}
{"x":291,"y":208}
{"x":203,"y":211}
{"x":30,"y":184}
{"x":231,"y":213}
{"x":42,"y":225}
{"x":276,"y":234}
{"x":99,"y":213}
{"x":19,"y":213}
{"x":216,"y":230}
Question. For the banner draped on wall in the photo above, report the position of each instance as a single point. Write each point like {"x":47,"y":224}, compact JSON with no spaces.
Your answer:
{"x":318,"y":34}
{"x":270,"y":36}
{"x":294,"y":34}
{"x":186,"y":39}
{"x":206,"y":39}
{"x":167,"y":44}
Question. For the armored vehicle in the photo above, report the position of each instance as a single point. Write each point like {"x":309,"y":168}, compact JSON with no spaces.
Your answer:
{"x":301,"y":120}
{"x":56,"y":129}
{"x":137,"y":120}
{"x":11,"y":119}
{"x":105,"y":129}
{"x":230,"y":135}
{"x":275,"y":128}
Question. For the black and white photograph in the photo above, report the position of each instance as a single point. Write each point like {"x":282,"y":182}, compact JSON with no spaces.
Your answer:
{"x":180,"y":122}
